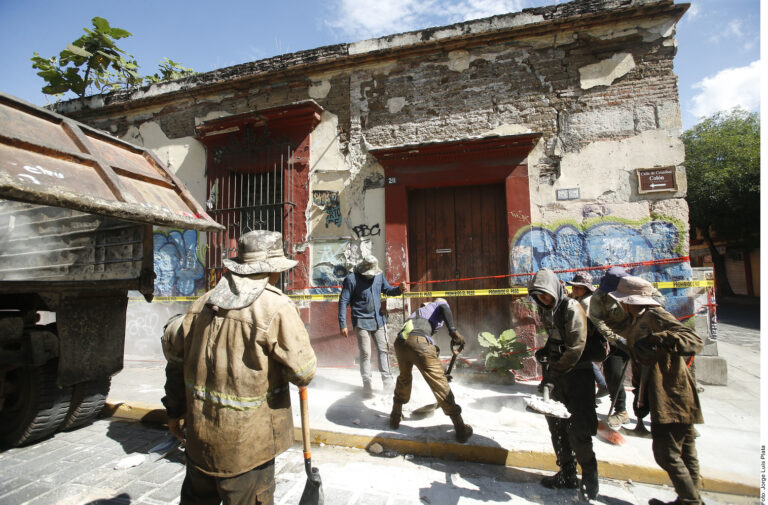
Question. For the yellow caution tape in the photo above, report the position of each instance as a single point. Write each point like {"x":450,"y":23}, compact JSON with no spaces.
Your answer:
{"x":332,"y":297}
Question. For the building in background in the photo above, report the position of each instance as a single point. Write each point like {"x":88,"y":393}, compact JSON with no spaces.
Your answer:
{"x":483,"y":150}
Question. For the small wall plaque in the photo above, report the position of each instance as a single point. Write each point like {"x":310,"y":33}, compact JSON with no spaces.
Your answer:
{"x":568,"y":194}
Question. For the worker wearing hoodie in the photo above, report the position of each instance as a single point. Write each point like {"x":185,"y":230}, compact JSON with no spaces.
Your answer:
{"x":569,"y":371}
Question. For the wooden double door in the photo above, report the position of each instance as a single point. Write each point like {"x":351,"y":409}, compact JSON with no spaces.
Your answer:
{"x":460,"y":232}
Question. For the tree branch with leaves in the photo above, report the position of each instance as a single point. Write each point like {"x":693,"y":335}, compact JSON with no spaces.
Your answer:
{"x":723,"y":168}
{"x":95,"y":64}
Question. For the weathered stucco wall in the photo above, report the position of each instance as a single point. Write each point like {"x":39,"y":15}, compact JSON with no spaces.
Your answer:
{"x":603,"y":96}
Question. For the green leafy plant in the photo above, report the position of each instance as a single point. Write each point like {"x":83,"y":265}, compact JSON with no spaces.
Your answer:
{"x":170,"y":71}
{"x":505,"y":353}
{"x":94,"y":63}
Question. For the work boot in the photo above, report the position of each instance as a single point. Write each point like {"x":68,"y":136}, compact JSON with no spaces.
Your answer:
{"x":566,"y":478}
{"x":463,"y":431}
{"x":367,"y":389}
{"x":617,"y":419}
{"x":396,"y":416}
{"x":590,"y":485}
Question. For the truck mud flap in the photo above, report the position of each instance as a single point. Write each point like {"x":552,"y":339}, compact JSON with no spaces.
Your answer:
{"x":91,"y":336}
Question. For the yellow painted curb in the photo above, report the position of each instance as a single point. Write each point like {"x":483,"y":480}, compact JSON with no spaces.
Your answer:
{"x":453,"y":451}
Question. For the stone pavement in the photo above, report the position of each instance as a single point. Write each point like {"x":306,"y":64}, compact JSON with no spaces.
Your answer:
{"x":505,"y":433}
{"x":80,"y":467}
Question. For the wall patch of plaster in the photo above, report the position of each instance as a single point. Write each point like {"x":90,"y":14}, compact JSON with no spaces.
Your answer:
{"x":605,"y":72}
{"x":458,"y":61}
{"x":319,"y":89}
{"x":395,"y":104}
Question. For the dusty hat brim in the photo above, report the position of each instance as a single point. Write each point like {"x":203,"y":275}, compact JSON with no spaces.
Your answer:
{"x":634,"y":299}
{"x":235,"y":291}
{"x":590,"y":287}
{"x":269,"y":265}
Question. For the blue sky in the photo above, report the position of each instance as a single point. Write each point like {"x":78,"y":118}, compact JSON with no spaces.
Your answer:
{"x":717,"y":62}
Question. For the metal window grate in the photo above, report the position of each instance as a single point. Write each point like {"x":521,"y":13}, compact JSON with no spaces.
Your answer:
{"x":249,"y":188}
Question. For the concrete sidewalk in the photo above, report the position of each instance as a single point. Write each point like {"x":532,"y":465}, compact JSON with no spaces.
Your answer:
{"x":505,"y":433}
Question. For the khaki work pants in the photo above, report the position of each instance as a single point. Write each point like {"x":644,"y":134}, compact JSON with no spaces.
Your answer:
{"x":674,"y":449}
{"x":416,"y":350}
{"x":254,"y":487}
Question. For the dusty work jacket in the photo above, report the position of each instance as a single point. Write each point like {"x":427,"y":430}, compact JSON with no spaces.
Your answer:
{"x":229,"y":380}
{"x":565,"y":322}
{"x":670,"y":388}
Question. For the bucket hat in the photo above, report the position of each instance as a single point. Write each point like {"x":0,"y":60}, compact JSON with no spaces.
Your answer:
{"x":582,"y":279}
{"x":260,"y":253}
{"x":634,"y":291}
{"x":368,"y":266}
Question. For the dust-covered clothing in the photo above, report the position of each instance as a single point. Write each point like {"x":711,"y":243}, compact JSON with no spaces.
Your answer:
{"x":414,"y":346}
{"x":363,"y":296}
{"x":674,"y":449}
{"x":570,"y":373}
{"x":565,"y":323}
{"x":417,"y":351}
{"x":254,"y":487}
{"x":364,"y":338}
{"x":229,"y":380}
{"x":660,"y":343}
{"x":671,"y":392}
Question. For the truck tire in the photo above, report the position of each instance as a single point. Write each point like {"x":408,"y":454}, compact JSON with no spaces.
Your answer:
{"x":88,"y":399}
{"x":34,"y":405}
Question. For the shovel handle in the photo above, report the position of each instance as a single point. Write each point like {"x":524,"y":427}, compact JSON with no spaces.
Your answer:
{"x":304,"y":421}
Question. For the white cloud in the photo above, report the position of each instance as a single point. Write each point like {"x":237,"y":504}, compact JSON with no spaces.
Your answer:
{"x":362,"y":19}
{"x":734,"y":28}
{"x":729,"y":88}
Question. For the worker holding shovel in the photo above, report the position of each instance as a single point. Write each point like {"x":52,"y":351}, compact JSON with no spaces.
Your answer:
{"x":227,"y":377}
{"x":659,"y":341}
{"x":414,"y":346}
{"x":569,"y":369}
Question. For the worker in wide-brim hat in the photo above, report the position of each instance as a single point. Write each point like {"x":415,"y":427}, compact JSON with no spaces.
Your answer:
{"x":661,"y":344}
{"x":229,"y":365}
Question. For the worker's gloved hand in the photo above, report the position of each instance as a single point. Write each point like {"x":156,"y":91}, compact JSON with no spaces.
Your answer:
{"x":457,"y":340}
{"x":647,"y":350}
{"x":542,"y":356}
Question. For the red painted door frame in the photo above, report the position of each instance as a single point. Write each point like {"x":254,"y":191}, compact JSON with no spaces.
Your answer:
{"x":296,"y":123}
{"x":459,"y":163}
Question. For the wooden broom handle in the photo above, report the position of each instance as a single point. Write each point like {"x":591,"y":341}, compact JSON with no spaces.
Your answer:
{"x":304,"y":421}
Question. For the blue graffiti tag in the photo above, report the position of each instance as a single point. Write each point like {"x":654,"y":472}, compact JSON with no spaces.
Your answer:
{"x":607,"y":242}
{"x":177,"y":269}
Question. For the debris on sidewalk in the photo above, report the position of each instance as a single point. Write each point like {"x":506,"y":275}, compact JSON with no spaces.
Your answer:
{"x":130,"y":461}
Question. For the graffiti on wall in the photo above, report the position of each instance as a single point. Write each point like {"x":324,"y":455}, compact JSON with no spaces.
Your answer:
{"x":329,"y":201}
{"x":329,"y":264}
{"x":178,"y":269}
{"x":364,"y":231}
{"x":607,"y":241}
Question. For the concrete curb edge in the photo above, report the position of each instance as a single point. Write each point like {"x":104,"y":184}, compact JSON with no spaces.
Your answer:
{"x":454,"y":451}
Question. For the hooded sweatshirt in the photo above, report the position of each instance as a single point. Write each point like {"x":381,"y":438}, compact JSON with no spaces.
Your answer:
{"x":565,"y":322}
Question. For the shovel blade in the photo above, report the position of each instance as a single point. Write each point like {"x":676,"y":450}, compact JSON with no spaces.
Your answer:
{"x":313,"y":490}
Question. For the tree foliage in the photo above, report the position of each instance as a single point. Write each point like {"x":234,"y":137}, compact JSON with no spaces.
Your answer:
{"x":723,"y":167}
{"x":94,"y":64}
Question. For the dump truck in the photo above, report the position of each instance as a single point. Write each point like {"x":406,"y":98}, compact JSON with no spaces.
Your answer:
{"x":77,"y":207}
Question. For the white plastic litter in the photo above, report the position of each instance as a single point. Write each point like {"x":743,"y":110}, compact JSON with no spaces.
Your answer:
{"x":130,"y":461}
{"x":547,"y":407}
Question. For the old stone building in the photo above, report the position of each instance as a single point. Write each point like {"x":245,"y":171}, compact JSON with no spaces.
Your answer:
{"x":548,"y":137}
